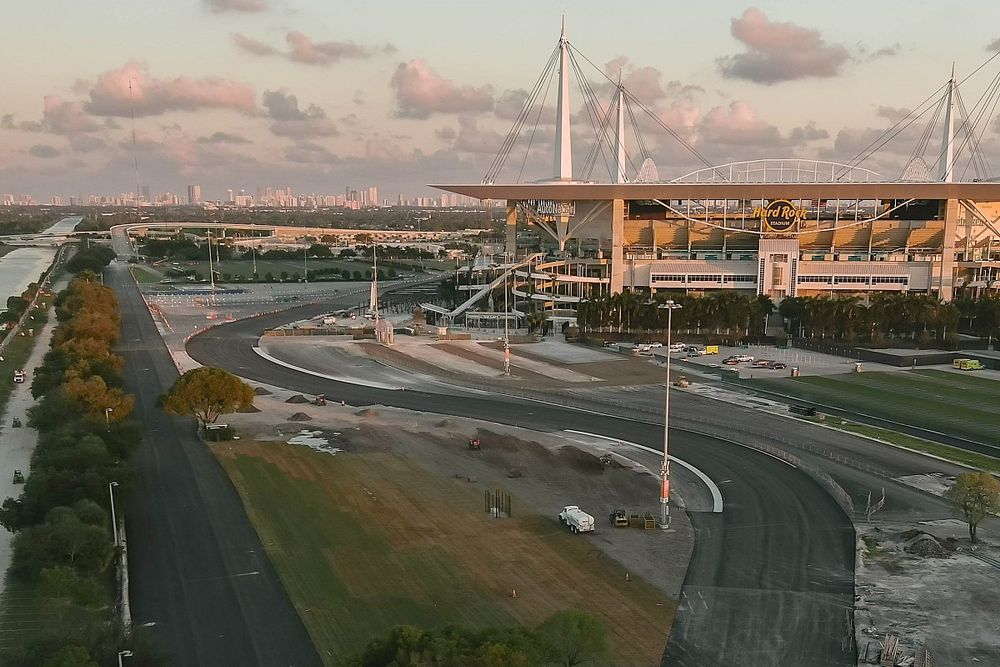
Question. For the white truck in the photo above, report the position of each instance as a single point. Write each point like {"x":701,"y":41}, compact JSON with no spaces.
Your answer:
{"x":577,"y":520}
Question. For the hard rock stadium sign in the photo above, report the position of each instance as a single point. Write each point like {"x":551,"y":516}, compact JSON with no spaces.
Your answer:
{"x":780,"y":216}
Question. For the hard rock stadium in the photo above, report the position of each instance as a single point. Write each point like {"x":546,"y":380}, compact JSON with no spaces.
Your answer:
{"x":776,"y":227}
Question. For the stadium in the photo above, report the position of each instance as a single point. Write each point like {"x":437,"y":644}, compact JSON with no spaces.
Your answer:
{"x":776,"y":227}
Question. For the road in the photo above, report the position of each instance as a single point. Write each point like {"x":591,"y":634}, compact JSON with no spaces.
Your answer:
{"x":772,"y":578}
{"x":198,"y":571}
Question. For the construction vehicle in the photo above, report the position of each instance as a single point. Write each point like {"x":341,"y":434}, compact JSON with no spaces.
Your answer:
{"x":619,"y":519}
{"x":607,"y":460}
{"x":967,"y":364}
{"x":19,"y":376}
{"x":682,"y":382}
{"x":320,"y":399}
{"x":474,"y":444}
{"x":577,"y":520}
{"x":17,"y":422}
{"x":18,"y":477}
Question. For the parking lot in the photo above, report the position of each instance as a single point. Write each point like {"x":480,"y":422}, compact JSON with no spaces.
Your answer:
{"x":807,"y":363}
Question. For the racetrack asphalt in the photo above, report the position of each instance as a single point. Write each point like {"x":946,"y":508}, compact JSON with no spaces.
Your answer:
{"x":200,"y":578}
{"x":771,"y":580}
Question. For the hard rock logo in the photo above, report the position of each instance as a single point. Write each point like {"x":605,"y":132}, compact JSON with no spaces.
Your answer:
{"x":780,"y":215}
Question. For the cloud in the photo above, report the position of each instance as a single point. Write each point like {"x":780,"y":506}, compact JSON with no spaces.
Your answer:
{"x":646,"y":83}
{"x":737,"y":124}
{"x":309,"y":153}
{"x":223,"y":138}
{"x":290,"y":121}
{"x":221,"y":6}
{"x":302,"y":49}
{"x":8,"y":122}
{"x":64,"y":117}
{"x":471,"y":138}
{"x":808,"y":132}
{"x":86,"y":143}
{"x":420,"y":92}
{"x":253,"y":46}
{"x":43,"y":151}
{"x":110,"y":96}
{"x":779,"y":51}
{"x":864,"y":55}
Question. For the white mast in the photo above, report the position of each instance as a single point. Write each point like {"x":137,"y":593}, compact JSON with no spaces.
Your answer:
{"x":563,"y":166}
{"x":948,"y":140}
{"x":620,"y":176}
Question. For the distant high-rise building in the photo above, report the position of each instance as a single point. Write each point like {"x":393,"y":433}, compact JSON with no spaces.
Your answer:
{"x":229,"y":196}
{"x":145,"y":194}
{"x":194,"y":194}
{"x":373,"y":196}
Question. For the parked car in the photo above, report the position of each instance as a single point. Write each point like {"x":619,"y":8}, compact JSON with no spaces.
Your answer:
{"x":777,"y":365}
{"x":742,"y":358}
{"x":678,"y":347}
{"x":654,"y":345}
{"x":761,"y":363}
{"x":730,"y":361}
{"x":694,"y":354}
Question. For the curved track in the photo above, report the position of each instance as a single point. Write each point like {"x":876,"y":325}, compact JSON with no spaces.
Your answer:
{"x":771,"y":580}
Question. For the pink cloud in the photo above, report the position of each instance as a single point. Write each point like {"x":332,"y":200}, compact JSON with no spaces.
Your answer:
{"x":253,"y":46}
{"x":737,"y":124}
{"x":63,"y":117}
{"x":302,"y":49}
{"x":779,"y":51}
{"x":151,"y":96}
{"x":420,"y":92}
{"x":290,"y":121}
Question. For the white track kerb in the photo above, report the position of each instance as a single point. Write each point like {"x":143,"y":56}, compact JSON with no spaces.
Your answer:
{"x":712,"y":486}
{"x":275,"y":360}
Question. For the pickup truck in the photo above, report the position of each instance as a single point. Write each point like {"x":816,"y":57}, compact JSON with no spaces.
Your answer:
{"x":577,"y":520}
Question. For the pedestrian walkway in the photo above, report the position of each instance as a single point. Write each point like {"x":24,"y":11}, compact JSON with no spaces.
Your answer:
{"x":19,"y":443}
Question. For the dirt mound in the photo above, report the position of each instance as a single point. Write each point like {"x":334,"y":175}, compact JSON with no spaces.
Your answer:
{"x":250,"y":410}
{"x":297,"y":398}
{"x":260,"y":391}
{"x":300,"y":417}
{"x":927,"y":546}
{"x":367,"y":412}
{"x":580,"y":460}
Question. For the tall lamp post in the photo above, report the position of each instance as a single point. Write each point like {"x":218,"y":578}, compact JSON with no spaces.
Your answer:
{"x":107,"y":417}
{"x":506,"y":315}
{"x":114,"y":520}
{"x":123,"y":654}
{"x":670,"y":307}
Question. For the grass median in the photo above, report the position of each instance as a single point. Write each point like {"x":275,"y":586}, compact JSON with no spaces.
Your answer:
{"x":364,"y":542}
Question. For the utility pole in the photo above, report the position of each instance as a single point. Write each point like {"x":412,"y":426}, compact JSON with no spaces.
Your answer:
{"x":305,"y":264}
{"x":670,"y":306}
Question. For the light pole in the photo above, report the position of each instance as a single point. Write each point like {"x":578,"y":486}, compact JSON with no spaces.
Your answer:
{"x":123,"y":654}
{"x":670,"y":307}
{"x":114,"y":520}
{"x":506,"y":311}
{"x":107,"y":418}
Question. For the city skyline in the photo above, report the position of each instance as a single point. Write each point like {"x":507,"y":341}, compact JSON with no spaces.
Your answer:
{"x":299,"y":93}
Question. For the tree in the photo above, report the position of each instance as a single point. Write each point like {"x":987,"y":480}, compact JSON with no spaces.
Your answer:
{"x":975,"y":496}
{"x":207,"y":393}
{"x":574,"y":638}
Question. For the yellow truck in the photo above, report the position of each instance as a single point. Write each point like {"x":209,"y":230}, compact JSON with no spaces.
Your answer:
{"x":967,"y":364}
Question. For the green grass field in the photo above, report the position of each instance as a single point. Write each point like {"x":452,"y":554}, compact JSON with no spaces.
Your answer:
{"x":956,"y":404}
{"x":15,"y":356}
{"x":366,"y":542}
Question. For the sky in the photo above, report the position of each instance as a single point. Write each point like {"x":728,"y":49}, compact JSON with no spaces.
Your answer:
{"x":324,"y":94}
